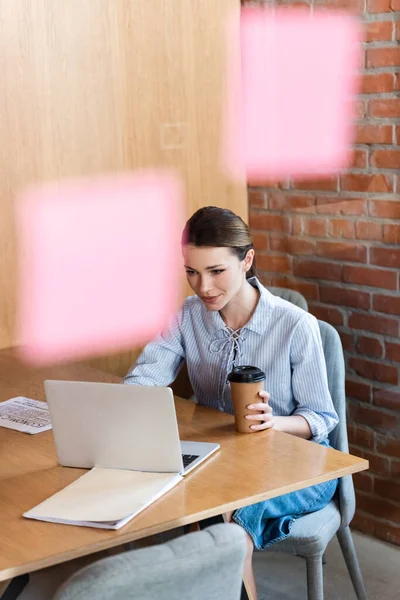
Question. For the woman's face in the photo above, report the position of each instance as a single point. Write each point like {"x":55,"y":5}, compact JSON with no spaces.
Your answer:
{"x":215,"y":274}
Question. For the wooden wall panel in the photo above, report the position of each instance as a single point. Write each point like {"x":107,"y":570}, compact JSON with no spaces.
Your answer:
{"x":97,"y":86}
{"x":59,"y":113}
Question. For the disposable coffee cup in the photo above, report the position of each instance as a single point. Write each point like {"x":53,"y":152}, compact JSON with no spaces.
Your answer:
{"x":245,"y":383}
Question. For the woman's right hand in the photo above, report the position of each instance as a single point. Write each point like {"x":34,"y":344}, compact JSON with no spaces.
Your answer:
{"x":265,"y":417}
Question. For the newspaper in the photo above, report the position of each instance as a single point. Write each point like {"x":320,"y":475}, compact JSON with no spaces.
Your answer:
{"x":25,"y":414}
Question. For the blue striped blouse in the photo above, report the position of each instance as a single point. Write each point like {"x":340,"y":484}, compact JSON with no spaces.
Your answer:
{"x":280,"y":338}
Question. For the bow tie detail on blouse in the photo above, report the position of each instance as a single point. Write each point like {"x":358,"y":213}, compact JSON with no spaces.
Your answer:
{"x":231,"y":341}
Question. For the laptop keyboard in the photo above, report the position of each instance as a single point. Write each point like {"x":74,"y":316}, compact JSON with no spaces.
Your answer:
{"x":188,"y":459}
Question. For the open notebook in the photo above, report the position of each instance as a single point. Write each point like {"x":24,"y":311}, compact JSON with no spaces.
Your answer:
{"x":104,"y":498}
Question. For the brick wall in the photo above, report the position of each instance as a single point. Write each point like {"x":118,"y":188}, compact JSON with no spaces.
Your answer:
{"x":337,"y":241}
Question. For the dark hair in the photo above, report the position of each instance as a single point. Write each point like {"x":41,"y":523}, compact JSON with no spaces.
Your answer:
{"x":215,"y":227}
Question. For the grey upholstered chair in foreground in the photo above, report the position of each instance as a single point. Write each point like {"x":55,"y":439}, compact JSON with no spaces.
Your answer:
{"x":311,"y":534}
{"x":205,"y":565}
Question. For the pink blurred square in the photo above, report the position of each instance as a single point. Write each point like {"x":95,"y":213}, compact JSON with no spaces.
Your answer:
{"x":292,"y":82}
{"x":99,"y":263}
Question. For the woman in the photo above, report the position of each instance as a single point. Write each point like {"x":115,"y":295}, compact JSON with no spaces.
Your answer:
{"x":233,"y":320}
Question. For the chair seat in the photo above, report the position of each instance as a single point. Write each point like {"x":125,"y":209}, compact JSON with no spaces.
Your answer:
{"x":312,"y":533}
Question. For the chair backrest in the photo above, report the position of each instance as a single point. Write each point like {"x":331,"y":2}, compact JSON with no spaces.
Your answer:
{"x":203,"y":565}
{"x":334,"y":359}
{"x":290,"y":295}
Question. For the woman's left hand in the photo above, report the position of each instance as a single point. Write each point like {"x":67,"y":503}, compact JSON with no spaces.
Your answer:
{"x":266,"y":416}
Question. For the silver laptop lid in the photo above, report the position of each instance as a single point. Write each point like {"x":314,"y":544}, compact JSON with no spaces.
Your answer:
{"x":114,"y":425}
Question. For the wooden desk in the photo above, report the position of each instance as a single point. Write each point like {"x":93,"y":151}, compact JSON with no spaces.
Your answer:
{"x":247,"y":469}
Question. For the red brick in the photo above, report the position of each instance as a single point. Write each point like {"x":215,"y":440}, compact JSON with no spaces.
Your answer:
{"x":305,"y":5}
{"x":328,"y":184}
{"x":375,"y":324}
{"x":398,"y":75}
{"x":393,"y":351}
{"x":269,"y":222}
{"x":378,"y":6}
{"x":391,"y":234}
{"x":315,"y":227}
{"x":387,"y":398}
{"x":317,"y":270}
{"x":389,"y":108}
{"x":385,"y":159}
{"x":337,"y":205}
{"x":377,"y":372}
{"x":397,"y":33}
{"x":341,"y":228}
{"x":260,"y":241}
{"x":290,"y":245}
{"x":383,"y":57}
{"x":347,"y":341}
{"x":385,"y":257}
{"x":379,"y":507}
{"x":395,"y":468}
{"x":377,"y":464}
{"x":342,"y":251}
{"x":382,"y":529}
{"x":360,"y":436}
{"x":356,"y":6}
{"x":283,"y":201}
{"x":378,"y":31}
{"x":386,"y":304}
{"x":275,"y":264}
{"x":370,"y":346}
{"x":364,"y":523}
{"x":370,"y":276}
{"x":297,"y":225}
{"x":387,"y":489}
{"x":389,"y":532}
{"x":262,"y":182}
{"x":257,"y":198}
{"x":352,"y":182}
{"x":398,"y":128}
{"x":359,"y":159}
{"x":374,"y":134}
{"x":389,"y":446}
{"x":358,"y":389}
{"x":363,"y":482}
{"x":395,"y":5}
{"x":326,"y":313}
{"x":269,"y":280}
{"x":385,"y":209}
{"x":368,"y":230}
{"x":309,"y":290}
{"x":344,"y":297}
{"x":360,"y":109}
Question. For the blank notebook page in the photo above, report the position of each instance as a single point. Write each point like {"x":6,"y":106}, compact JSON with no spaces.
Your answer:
{"x":104,"y":496}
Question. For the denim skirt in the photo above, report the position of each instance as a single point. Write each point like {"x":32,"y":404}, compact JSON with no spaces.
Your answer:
{"x":270,"y":521}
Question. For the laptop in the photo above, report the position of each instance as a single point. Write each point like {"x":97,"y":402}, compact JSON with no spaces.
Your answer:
{"x":120,"y":426}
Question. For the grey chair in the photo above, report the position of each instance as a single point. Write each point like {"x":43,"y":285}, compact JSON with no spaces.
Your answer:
{"x":311,"y":534}
{"x":202,"y":565}
{"x":290,"y":295}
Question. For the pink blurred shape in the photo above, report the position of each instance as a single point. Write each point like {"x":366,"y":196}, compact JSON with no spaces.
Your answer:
{"x":292,"y":82}
{"x":99,"y":263}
